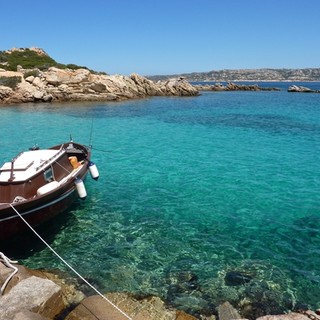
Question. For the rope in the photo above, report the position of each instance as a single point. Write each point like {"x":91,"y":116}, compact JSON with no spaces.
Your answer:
{"x":69,"y":266}
{"x":7,"y":262}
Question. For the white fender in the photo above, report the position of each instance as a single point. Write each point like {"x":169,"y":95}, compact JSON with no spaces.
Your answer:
{"x":47,"y":188}
{"x":93,"y":170}
{"x":81,"y":189}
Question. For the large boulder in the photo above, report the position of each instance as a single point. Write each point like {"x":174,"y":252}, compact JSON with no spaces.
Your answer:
{"x":178,"y":87}
{"x":33,"y":294}
{"x":295,"y":88}
{"x":56,"y":76}
{"x":145,"y":86}
{"x":5,"y":93}
{"x":95,"y":307}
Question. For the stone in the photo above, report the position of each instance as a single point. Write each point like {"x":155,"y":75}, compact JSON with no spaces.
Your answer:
{"x":295,"y":88}
{"x":34,"y":294}
{"x":28,"y":315}
{"x":38,"y":95}
{"x":95,"y":307}
{"x":227,"y":312}
{"x":37,"y":82}
{"x":29,"y":79}
{"x":289,"y":316}
{"x":181,"y":315}
{"x":236,"y":278}
{"x":5,"y":93}
{"x":23,"y":273}
{"x":98,"y":87}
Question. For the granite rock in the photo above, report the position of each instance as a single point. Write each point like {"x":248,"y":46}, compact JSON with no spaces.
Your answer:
{"x":33,"y":294}
{"x":82,"y":85}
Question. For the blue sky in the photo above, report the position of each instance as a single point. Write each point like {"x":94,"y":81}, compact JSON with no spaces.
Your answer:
{"x":151,"y":37}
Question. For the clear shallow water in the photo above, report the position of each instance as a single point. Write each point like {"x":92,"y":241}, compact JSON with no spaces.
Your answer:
{"x":190,"y":190}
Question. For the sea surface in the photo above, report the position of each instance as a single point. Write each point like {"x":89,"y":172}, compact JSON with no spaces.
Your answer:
{"x":200,"y":199}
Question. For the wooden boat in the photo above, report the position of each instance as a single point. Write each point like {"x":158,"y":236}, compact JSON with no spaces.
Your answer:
{"x":39,"y":184}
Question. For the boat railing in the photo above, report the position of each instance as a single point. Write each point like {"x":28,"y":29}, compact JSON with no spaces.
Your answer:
{"x":44,"y":163}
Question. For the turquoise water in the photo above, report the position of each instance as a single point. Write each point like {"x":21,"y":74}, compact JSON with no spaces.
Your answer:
{"x":190,"y":190}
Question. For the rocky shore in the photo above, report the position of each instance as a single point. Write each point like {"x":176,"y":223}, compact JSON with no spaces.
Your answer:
{"x":295,"y":88}
{"x":63,"y":85}
{"x":39,"y":295}
{"x":230,"y":86}
{"x":60,"y":85}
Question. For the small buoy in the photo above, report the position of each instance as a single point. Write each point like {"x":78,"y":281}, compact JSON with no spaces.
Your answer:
{"x":81,"y":189}
{"x":93,"y":170}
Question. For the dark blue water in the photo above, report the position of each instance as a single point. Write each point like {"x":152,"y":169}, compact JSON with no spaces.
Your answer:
{"x":193,"y":194}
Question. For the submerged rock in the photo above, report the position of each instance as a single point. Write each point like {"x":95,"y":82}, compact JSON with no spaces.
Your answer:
{"x":236,"y":278}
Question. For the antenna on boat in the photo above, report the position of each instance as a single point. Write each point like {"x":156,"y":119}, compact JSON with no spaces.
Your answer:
{"x":91,"y":130}
{"x":71,"y":140}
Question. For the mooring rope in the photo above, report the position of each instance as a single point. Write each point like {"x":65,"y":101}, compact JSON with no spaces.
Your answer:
{"x":8,"y":263}
{"x":69,"y":266}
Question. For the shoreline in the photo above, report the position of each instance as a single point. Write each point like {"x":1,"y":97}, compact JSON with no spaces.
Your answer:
{"x":80,"y":85}
{"x":60,"y":298}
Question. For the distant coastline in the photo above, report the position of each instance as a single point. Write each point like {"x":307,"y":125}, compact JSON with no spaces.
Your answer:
{"x":248,"y":75}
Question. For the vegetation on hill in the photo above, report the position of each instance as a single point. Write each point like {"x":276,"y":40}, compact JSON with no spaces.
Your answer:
{"x":10,"y":82}
{"x":27,"y":59}
{"x":31,"y":59}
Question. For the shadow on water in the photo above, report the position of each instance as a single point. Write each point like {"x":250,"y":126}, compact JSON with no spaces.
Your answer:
{"x":27,"y":244}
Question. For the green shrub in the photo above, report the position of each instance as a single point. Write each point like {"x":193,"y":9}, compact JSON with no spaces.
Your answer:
{"x":11,"y":82}
{"x":34,"y":73}
{"x":27,"y":59}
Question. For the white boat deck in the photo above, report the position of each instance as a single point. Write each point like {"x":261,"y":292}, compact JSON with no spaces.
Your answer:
{"x":27,"y":164}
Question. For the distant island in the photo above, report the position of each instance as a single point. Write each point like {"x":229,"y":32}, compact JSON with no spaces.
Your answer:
{"x":292,"y":75}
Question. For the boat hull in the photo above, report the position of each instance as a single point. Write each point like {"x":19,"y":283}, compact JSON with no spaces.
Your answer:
{"x":39,"y":209}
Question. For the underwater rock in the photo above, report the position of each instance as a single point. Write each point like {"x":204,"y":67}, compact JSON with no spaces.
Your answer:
{"x":236,"y":278}
{"x":182,"y":281}
{"x":185,"y":293}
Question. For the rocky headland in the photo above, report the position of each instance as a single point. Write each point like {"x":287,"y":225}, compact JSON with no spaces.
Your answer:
{"x":61,"y":85}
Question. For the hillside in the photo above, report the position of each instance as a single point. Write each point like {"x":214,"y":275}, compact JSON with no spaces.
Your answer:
{"x":307,"y":74}
{"x":31,"y":58}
